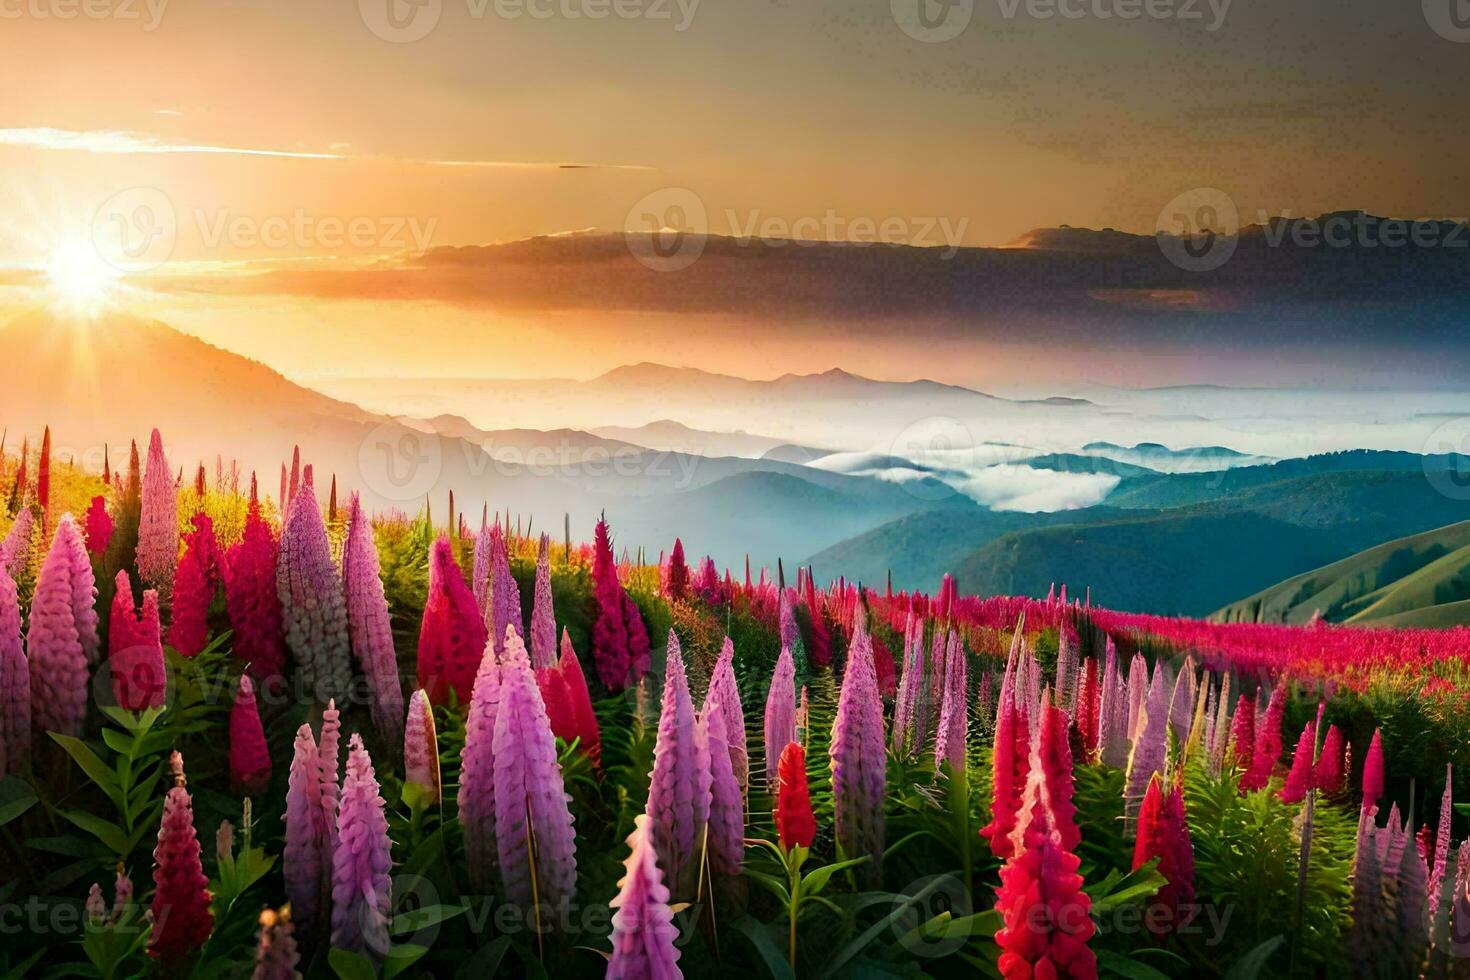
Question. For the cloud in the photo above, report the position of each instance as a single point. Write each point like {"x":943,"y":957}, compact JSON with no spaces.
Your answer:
{"x":129,"y":143}
{"x":1011,"y":487}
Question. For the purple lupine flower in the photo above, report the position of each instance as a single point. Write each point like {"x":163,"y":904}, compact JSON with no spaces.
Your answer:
{"x":158,"y":522}
{"x":726,"y":839}
{"x":421,"y":748}
{"x":954,"y":716}
{"x":1441,"y":843}
{"x":724,"y":691}
{"x":480,"y":575}
{"x":932,"y":696}
{"x":15,"y":683}
{"x":543,"y":616}
{"x":1150,"y":748}
{"x":15,"y":552}
{"x":643,"y":930}
{"x":368,"y":624}
{"x":1220,"y":735}
{"x":329,"y":765}
{"x":58,"y":659}
{"x":476,"y":798}
{"x":312,"y":608}
{"x":908,"y":737}
{"x":786,"y":620}
{"x":304,"y":859}
{"x":679,"y":787}
{"x":1067,"y":671}
{"x":73,"y":543}
{"x":780,"y":725}
{"x":505,"y":594}
{"x":361,"y":888}
{"x":530,"y":799}
{"x":1138,"y":688}
{"x":276,"y":955}
{"x":1181,"y":705}
{"x":1113,"y":745}
{"x":858,"y":756}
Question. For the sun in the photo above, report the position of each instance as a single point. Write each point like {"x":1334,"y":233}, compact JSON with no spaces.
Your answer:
{"x":80,"y":281}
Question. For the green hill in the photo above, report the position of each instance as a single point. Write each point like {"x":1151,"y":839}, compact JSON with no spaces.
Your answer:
{"x":1420,"y":580}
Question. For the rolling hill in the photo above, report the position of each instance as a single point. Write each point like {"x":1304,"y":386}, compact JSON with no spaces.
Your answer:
{"x":1420,"y":580}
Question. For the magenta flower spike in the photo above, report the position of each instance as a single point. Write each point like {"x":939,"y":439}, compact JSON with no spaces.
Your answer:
{"x":312,"y":608}
{"x":1150,"y":748}
{"x":1067,"y":671}
{"x":476,"y":800}
{"x":643,"y":930}
{"x":15,"y":683}
{"x":305,"y":858}
{"x":480,"y":575}
{"x":954,"y":716}
{"x":533,"y":826}
{"x":1299,"y":778}
{"x":361,"y":887}
{"x":679,"y":788}
{"x":1373,"y":771}
{"x":250,"y":759}
{"x":907,"y":708}
{"x":543,"y":615}
{"x":726,"y":693}
{"x":858,"y":757}
{"x":780,"y":726}
{"x":58,"y":659}
{"x":368,"y":624}
{"x":421,"y":748}
{"x":182,"y":920}
{"x":726,"y":840}
{"x":15,"y":551}
{"x":158,"y":523}
{"x":1441,"y":843}
{"x":505,"y":594}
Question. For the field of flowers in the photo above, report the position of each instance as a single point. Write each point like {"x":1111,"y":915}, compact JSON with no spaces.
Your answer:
{"x":275,"y":735}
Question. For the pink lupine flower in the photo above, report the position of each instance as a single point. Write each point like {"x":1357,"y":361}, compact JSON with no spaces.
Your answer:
{"x":328,"y":763}
{"x":1138,"y":689}
{"x":295,"y":484}
{"x":1441,"y":843}
{"x":726,"y":693}
{"x":83,"y":585}
{"x":1044,"y":911}
{"x":312,"y":608}
{"x":820,"y":647}
{"x":1067,"y":668}
{"x":1243,"y":732}
{"x":368,"y":623}
{"x":1299,"y":778}
{"x":543,"y":616}
{"x":1267,"y":750}
{"x":859,"y":758}
{"x":480,"y":571}
{"x":476,"y":798}
{"x":195,"y":582}
{"x":1330,"y":772}
{"x":1182,"y":704}
{"x":361,"y":887}
{"x":643,"y":930}
{"x":1373,"y":771}
{"x":276,"y":955}
{"x":98,"y":526}
{"x":505,"y":594}
{"x":909,"y":710}
{"x":1113,"y":742}
{"x":531,"y":813}
{"x":421,"y":748}
{"x":253,"y":602}
{"x":678,"y":577}
{"x":1011,"y":764}
{"x":135,"y":649}
{"x":306,"y":859}
{"x":611,"y":650}
{"x":679,"y":788}
{"x":452,"y":636}
{"x":780,"y":725}
{"x":15,"y":684}
{"x":182,"y":921}
{"x":58,"y":658}
{"x":1163,"y":833}
{"x":15,"y":552}
{"x":158,"y":526}
{"x":954,"y":717}
{"x":726,"y":839}
{"x":1150,"y":748}
{"x":250,"y":760}
{"x":43,"y":481}
{"x":1087,"y":709}
{"x":95,"y":906}
{"x":580,"y":699}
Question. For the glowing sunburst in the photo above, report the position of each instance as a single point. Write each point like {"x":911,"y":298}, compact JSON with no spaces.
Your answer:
{"x":80,"y":281}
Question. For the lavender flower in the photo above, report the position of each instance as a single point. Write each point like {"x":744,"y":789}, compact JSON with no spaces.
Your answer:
{"x":858,"y":757}
{"x":476,"y":799}
{"x":312,"y":607}
{"x":780,"y":727}
{"x":368,"y":624}
{"x":361,"y":888}
{"x":543,"y":616}
{"x":726,"y":693}
{"x":643,"y":930}
{"x":679,"y":788}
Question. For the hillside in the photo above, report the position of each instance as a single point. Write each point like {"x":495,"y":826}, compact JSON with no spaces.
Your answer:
{"x":1421,"y":580}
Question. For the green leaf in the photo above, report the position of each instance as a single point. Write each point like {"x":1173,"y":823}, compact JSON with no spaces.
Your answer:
{"x":1120,"y":965}
{"x":486,"y":960}
{"x":772,"y":884}
{"x":351,"y":966}
{"x":770,"y":953}
{"x":815,"y":881}
{"x":1249,"y":966}
{"x":859,"y":943}
{"x":400,"y":958}
{"x":16,"y":797}
{"x":423,"y":918}
{"x":1127,"y":890}
{"x":91,"y":765}
{"x":108,"y":833}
